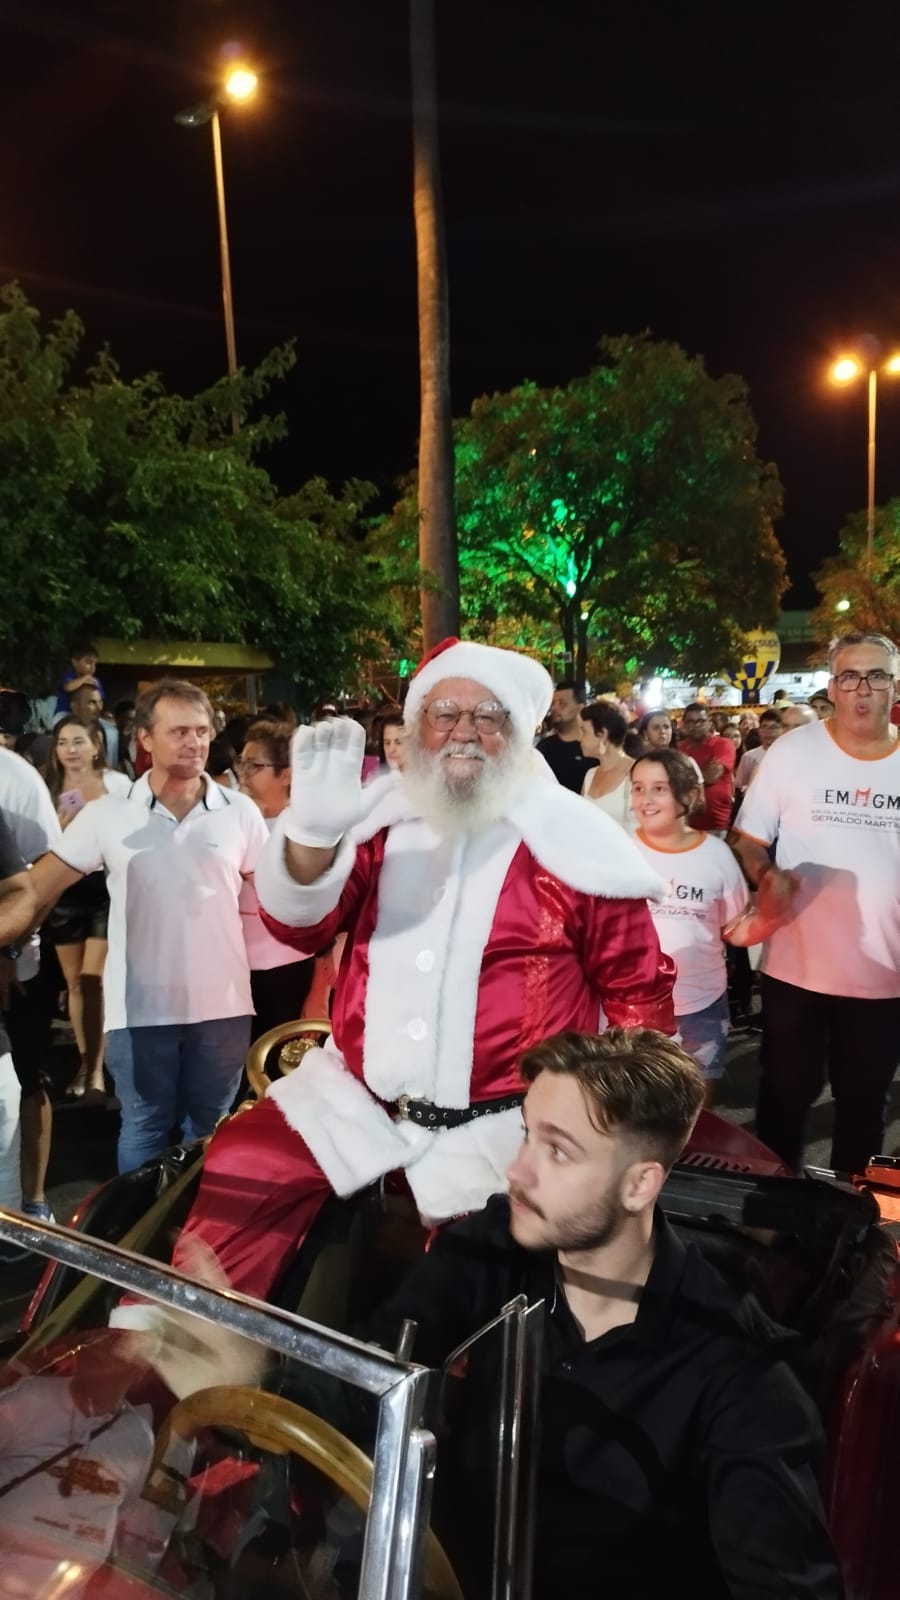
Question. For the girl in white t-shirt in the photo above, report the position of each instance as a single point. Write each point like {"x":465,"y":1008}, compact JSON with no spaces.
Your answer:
{"x":707,"y":893}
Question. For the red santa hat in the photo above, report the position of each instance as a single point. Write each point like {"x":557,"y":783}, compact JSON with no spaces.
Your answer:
{"x":520,"y":684}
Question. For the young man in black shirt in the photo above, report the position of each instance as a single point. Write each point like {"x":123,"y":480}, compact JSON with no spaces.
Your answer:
{"x":676,"y":1446}
{"x":562,"y":748}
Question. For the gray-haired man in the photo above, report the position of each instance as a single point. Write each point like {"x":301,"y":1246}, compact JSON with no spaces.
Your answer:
{"x":830,"y":796}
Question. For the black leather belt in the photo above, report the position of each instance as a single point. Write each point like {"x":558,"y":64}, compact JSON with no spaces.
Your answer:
{"x":428,"y":1115}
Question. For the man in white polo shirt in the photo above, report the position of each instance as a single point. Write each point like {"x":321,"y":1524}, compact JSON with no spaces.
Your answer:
{"x":176,"y":984}
{"x":830,"y":796}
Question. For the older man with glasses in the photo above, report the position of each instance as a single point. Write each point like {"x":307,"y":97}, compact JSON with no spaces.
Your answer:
{"x":828,"y":798}
{"x":485,"y":906}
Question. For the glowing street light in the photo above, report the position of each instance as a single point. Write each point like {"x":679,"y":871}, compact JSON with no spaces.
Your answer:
{"x":240,"y":86}
{"x":241,"y":83}
{"x":847,"y":370}
{"x":842,"y":605}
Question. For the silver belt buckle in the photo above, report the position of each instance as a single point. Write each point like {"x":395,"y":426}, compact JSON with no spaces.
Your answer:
{"x":403,"y":1107}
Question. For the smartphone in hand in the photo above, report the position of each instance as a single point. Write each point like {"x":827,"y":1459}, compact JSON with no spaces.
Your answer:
{"x":70,"y":801}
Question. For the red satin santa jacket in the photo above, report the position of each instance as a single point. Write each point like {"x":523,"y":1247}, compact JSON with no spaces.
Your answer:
{"x":554,"y":956}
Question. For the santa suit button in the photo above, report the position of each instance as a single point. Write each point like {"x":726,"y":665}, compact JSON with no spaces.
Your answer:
{"x":417,"y":1029}
{"x":425,"y":960}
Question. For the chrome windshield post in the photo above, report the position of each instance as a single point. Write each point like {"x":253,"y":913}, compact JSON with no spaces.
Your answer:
{"x":401,"y":1494}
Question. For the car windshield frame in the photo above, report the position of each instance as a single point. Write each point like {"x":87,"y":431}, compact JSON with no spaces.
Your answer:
{"x":404,"y":1455}
{"x":405,"y":1452}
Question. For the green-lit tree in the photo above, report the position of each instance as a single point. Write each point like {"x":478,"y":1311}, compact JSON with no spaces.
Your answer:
{"x":130,"y":511}
{"x":874,"y":596}
{"x":627,"y":508}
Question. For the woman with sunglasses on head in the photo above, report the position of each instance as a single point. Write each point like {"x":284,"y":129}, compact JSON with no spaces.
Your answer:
{"x":279,"y":981}
{"x":77,"y":773}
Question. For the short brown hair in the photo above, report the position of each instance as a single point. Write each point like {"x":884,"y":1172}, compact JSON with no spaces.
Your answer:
{"x":275,"y":737}
{"x":686,"y":787}
{"x":604,"y":718}
{"x":168,"y":689}
{"x":632,"y":1078}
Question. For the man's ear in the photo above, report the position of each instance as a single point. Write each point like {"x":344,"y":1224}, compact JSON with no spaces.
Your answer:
{"x":641,"y":1184}
{"x":143,"y":735}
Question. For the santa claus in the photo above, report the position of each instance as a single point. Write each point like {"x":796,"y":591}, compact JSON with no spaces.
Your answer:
{"x":485,"y":908}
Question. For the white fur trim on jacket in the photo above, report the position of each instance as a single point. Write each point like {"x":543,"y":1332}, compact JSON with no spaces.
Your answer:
{"x":569,"y":836}
{"x":296,"y":904}
{"x":436,"y":904}
{"x":355,"y":1141}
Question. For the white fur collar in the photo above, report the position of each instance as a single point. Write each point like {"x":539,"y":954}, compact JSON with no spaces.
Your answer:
{"x":571,"y":838}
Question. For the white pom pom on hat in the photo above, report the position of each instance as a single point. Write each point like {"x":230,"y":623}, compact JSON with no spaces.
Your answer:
{"x":521,"y":685}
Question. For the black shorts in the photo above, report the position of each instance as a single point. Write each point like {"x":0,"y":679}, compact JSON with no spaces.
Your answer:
{"x":79,"y":914}
{"x":28,"y":1022}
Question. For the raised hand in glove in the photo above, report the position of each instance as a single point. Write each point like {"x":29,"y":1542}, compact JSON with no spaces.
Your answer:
{"x":326,"y":782}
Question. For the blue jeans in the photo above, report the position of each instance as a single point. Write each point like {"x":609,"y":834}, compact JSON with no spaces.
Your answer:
{"x":179,"y":1072}
{"x":704,"y":1035}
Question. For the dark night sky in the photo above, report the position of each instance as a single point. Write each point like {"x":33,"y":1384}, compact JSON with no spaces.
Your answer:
{"x":728,"y":176}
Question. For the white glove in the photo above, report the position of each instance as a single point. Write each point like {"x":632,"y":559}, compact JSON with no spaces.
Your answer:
{"x":326,"y":782}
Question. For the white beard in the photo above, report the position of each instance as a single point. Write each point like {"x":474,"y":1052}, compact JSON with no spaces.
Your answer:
{"x":468,"y":806}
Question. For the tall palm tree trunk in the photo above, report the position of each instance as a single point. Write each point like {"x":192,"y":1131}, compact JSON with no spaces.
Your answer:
{"x":437,"y":512}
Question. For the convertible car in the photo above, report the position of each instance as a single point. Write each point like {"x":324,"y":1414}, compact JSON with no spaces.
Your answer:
{"x":336,"y":1471}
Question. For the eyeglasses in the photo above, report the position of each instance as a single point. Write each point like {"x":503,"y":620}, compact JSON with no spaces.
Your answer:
{"x":252,"y":766}
{"x":488,"y":717}
{"x":878,"y":679}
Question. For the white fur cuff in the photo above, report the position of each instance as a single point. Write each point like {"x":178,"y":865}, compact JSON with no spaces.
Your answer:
{"x":295,"y":904}
{"x":349,"y":1133}
{"x":464,"y":1166}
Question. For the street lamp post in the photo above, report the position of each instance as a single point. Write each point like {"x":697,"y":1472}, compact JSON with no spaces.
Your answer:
{"x":846,"y":370}
{"x":239,"y":85}
{"x":227,"y":298}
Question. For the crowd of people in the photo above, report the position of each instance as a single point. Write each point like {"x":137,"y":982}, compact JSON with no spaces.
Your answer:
{"x":679,"y":786}
{"x":514,"y":869}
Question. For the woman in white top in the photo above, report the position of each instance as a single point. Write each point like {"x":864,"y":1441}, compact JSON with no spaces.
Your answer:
{"x":279,"y":979}
{"x":603,"y":730}
{"x":76,"y":774}
{"x":707,"y":896}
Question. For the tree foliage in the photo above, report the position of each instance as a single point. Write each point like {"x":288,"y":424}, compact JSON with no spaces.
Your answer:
{"x":130,"y":511}
{"x":627,"y":509}
{"x":874,"y":598}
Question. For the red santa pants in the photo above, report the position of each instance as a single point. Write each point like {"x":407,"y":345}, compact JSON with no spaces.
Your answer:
{"x":260,"y":1193}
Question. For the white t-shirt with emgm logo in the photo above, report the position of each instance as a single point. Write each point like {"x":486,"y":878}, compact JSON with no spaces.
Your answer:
{"x":836,"y":818}
{"x":706,"y":891}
